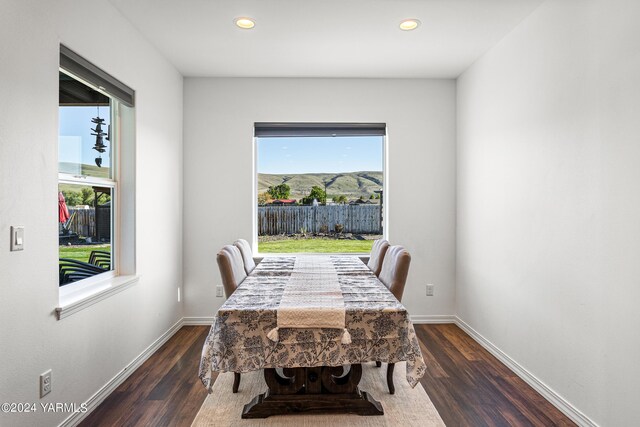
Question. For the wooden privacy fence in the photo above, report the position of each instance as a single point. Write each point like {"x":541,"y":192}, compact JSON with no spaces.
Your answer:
{"x":362,"y":219}
{"x":83,"y":223}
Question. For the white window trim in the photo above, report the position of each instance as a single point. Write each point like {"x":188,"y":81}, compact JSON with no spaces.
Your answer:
{"x":90,"y":291}
{"x":254,"y":205}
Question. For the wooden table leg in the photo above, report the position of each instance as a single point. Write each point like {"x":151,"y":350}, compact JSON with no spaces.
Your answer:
{"x":392,"y":388}
{"x":318,"y":390}
{"x":236,"y":382}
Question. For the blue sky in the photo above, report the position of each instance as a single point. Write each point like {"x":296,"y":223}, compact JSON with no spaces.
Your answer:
{"x":76,"y":142}
{"x":319,"y":154}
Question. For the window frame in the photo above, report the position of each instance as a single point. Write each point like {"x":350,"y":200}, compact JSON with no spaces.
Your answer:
{"x":112,"y":183}
{"x":313,"y":129}
{"x":78,"y":295}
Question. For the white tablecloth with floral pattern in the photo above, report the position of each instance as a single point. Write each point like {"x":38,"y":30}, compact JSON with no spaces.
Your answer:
{"x":379,"y":326}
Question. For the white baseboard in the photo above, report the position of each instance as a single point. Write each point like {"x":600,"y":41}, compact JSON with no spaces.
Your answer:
{"x":421,"y":319}
{"x":191,"y":321}
{"x":554,"y":398}
{"x":95,"y":400}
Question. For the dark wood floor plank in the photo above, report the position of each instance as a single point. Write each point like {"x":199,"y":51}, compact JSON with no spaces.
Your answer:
{"x":151,"y":372}
{"x":135,"y":402}
{"x":463,"y":343}
{"x":479,"y":386}
{"x":433,"y":366}
{"x":460,"y":373}
{"x":165,"y":388}
{"x":467,"y":385}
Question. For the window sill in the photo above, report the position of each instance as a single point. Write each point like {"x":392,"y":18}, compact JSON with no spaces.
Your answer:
{"x":76,"y":301}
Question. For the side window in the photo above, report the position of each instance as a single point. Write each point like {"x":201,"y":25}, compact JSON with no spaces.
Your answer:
{"x":92,"y":107}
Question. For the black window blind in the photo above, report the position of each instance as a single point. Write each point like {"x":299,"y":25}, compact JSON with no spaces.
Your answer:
{"x":277,"y":130}
{"x":85,"y":70}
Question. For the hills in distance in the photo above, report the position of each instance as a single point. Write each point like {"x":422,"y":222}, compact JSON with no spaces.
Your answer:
{"x":351,"y":184}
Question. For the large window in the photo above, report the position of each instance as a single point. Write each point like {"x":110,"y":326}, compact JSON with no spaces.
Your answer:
{"x":320,"y":187}
{"x":95,"y":117}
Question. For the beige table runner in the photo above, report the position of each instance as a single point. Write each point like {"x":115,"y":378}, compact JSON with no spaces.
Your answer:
{"x":312,"y":298}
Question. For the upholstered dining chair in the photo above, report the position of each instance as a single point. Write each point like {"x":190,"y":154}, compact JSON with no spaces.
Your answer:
{"x":231,"y":267}
{"x":376,"y":257}
{"x":233,"y":273}
{"x":393,"y":274}
{"x":247,"y":255}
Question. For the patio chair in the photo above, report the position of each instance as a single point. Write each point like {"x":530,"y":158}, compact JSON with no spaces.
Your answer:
{"x":101,"y":259}
{"x":71,"y":270}
{"x":393,"y":274}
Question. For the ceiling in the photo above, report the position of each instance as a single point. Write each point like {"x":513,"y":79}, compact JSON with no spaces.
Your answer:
{"x":324,"y":38}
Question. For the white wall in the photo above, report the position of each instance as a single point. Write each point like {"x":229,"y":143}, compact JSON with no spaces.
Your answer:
{"x":86,"y":349}
{"x":218,"y":176}
{"x":548,"y":235}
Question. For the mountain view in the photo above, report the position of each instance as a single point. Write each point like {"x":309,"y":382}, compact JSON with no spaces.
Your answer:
{"x":350,"y":184}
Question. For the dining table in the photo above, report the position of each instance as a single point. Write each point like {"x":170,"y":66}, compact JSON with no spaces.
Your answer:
{"x":309,"y":322}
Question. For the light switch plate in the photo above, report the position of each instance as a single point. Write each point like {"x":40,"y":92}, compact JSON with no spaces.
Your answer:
{"x":17,"y":238}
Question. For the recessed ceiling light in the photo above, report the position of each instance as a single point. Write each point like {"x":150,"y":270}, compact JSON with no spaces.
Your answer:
{"x":245,"y":23}
{"x":409,"y":24}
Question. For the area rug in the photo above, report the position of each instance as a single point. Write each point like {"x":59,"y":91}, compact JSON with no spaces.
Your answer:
{"x":407,"y":407}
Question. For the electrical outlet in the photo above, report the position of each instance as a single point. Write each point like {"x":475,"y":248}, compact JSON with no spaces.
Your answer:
{"x":219,"y":291}
{"x":45,"y":383}
{"x":430,"y":289}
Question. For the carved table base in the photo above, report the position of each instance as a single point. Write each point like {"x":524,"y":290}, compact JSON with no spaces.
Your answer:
{"x":318,"y":390}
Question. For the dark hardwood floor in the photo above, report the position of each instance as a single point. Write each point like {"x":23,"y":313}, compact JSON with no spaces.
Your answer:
{"x":468,"y":386}
{"x":164,"y":391}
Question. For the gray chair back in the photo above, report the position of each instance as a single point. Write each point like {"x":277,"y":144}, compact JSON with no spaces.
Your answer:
{"x":395,"y":269}
{"x":247,"y":255}
{"x":231,"y":268}
{"x":376,"y":257}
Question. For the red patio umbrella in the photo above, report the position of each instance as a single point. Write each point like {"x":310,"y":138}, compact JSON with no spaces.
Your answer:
{"x":63,"y":212}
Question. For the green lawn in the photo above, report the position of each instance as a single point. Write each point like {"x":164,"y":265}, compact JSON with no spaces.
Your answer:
{"x":315,"y":245}
{"x":81,"y":253}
